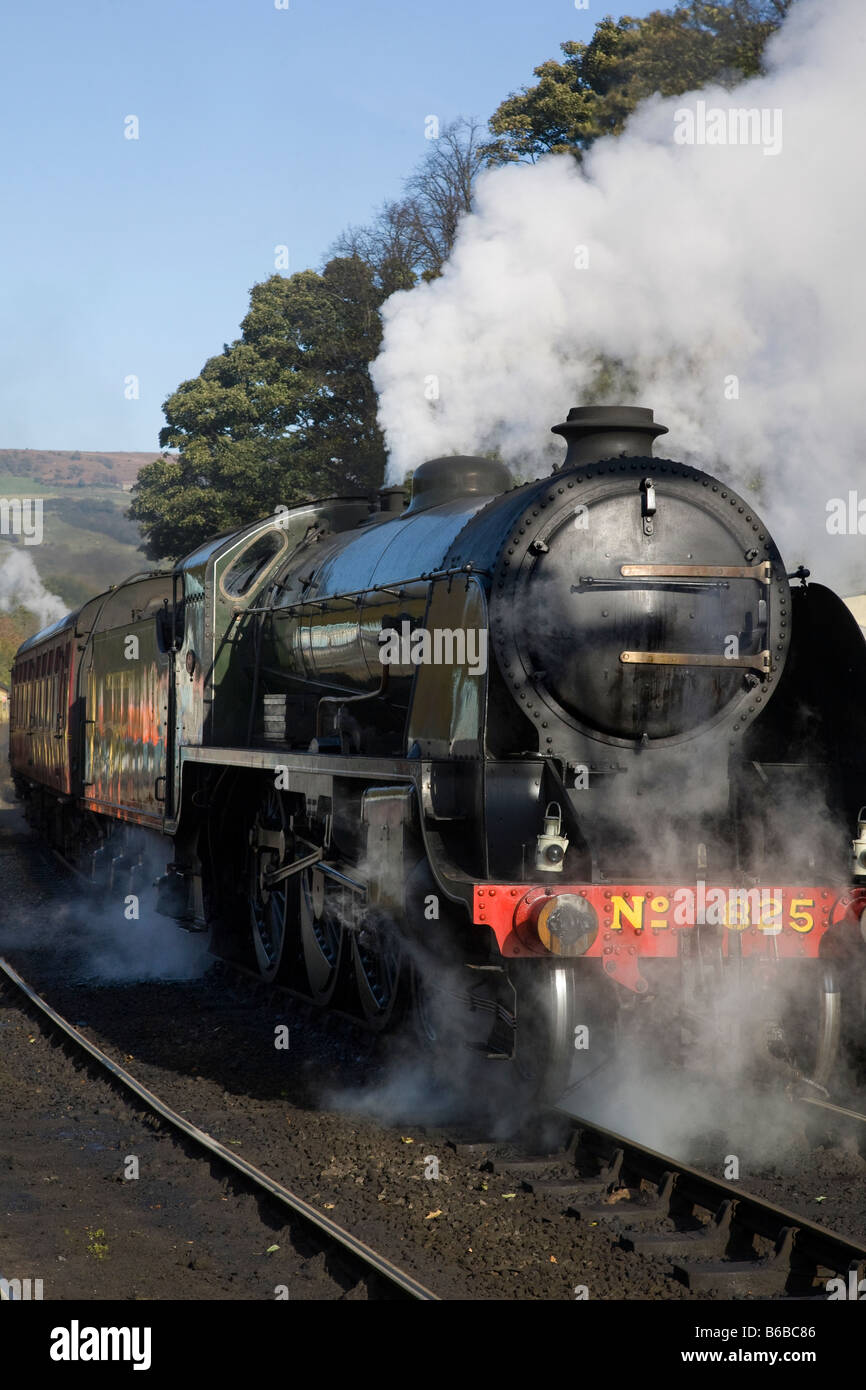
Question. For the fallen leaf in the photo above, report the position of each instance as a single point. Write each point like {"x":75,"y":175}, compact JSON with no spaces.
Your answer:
{"x":820,"y":1199}
{"x":431,"y":1214}
{"x":404,"y":1140}
{"x":553,"y":1259}
{"x":271,"y":1248}
{"x":329,"y":1206}
{"x":506,"y":1196}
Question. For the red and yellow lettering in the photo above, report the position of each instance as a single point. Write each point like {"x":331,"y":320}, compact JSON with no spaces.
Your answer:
{"x":800,"y":919}
{"x":659,"y":904}
{"x":737,"y":909}
{"x":632,"y":912}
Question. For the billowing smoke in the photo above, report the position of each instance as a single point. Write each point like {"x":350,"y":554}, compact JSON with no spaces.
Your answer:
{"x":21,"y":587}
{"x":721,"y":282}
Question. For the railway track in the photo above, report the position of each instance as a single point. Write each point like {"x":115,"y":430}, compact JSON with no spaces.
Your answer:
{"x":390,"y":1281}
{"x":721,"y":1239}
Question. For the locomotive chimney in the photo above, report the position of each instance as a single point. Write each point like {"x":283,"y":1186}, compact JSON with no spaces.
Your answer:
{"x":393,"y":499}
{"x":608,"y":431}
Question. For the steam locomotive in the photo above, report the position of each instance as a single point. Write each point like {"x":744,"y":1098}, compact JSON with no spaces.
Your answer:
{"x":551,"y":766}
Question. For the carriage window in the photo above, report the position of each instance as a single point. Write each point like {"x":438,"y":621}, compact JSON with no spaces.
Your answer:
{"x":251,"y":563}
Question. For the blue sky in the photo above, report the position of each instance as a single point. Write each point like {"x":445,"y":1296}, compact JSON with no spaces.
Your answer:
{"x":257,"y":127}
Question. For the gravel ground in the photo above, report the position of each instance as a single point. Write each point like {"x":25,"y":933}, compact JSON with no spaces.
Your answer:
{"x":358,"y":1126}
{"x":99,"y":1202}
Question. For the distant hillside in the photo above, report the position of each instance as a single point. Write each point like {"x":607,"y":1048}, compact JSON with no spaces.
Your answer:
{"x":88,"y":542}
{"x":73,"y":468}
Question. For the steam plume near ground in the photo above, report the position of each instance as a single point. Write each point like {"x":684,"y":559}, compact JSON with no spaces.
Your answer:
{"x":21,"y":587}
{"x":705,"y":262}
{"x":101,"y":946}
{"x":96,"y":940}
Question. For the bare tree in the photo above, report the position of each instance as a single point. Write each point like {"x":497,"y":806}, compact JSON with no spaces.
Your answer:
{"x":441,"y":189}
{"x":389,"y":245}
{"x":413,"y":236}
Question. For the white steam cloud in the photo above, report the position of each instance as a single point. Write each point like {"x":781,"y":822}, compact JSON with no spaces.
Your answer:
{"x":727,"y":279}
{"x":21,"y":587}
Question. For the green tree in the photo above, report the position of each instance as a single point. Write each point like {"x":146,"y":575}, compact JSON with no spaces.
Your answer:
{"x":16,"y":625}
{"x":597,"y":86}
{"x":284,"y":413}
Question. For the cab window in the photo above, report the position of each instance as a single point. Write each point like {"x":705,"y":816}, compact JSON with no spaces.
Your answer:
{"x":252,"y":562}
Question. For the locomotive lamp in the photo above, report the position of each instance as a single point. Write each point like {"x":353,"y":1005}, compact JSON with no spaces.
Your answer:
{"x":858,"y":846}
{"x":551,"y":844}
